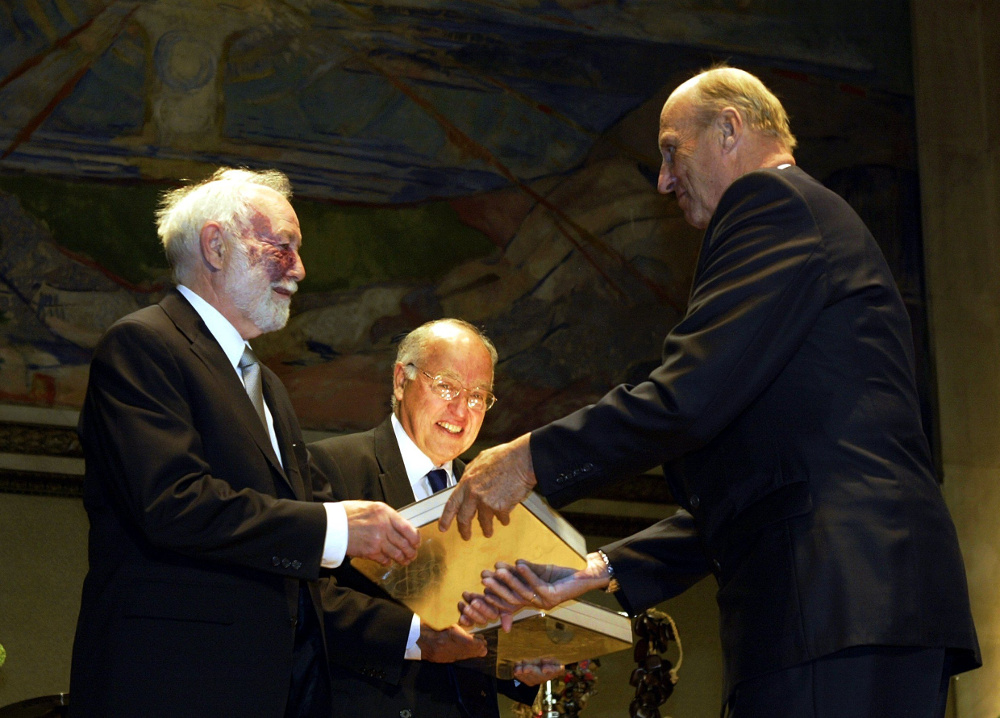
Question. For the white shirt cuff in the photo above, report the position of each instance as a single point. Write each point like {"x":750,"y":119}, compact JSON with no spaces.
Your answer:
{"x":335,"y":545}
{"x":412,"y":649}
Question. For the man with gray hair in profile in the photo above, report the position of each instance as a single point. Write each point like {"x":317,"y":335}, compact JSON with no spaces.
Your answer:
{"x":208,"y":527}
{"x":786,"y":419}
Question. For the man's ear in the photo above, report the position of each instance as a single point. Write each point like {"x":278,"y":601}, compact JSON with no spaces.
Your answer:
{"x":213,"y":248}
{"x":730,"y":126}
{"x":398,"y":381}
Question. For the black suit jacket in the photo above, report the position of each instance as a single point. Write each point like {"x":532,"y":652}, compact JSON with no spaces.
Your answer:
{"x":367,"y":630}
{"x":786,"y":416}
{"x":197,"y":540}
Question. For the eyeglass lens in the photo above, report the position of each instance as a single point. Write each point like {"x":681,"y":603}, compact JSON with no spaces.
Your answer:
{"x":448,"y":390}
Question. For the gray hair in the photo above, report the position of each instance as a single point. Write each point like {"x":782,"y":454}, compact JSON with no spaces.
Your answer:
{"x":225,"y":197}
{"x":723,"y":86}
{"x":414,"y":345}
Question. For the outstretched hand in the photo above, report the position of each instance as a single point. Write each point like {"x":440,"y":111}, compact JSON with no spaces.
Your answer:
{"x":494,"y":483}
{"x":509,"y":588}
{"x":377,"y":532}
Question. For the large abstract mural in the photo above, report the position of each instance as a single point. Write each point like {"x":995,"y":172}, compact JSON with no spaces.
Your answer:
{"x":490,"y":160}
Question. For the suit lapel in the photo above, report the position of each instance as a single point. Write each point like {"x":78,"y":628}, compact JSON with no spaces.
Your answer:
{"x":392,"y":477}
{"x":209,"y":352}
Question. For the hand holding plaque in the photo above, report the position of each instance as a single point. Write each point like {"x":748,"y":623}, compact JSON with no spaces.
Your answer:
{"x":492,"y":485}
{"x":509,"y":588}
{"x":449,"y":645}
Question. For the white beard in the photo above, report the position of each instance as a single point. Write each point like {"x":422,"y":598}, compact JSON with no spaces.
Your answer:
{"x":250,"y":290}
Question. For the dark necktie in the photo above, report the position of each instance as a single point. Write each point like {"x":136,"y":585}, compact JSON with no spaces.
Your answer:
{"x":250,"y":368}
{"x":438,"y":479}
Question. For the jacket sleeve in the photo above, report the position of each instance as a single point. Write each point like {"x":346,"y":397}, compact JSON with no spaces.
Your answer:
{"x":657,"y":563}
{"x":365,"y":634}
{"x":148,"y":450}
{"x":759,"y":288}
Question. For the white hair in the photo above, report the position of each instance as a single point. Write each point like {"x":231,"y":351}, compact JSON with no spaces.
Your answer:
{"x":224,"y":198}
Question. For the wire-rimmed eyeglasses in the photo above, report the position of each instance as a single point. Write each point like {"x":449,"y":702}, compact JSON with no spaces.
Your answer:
{"x":448,"y":388}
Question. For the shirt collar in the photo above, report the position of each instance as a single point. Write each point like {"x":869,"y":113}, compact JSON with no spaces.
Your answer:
{"x":218,"y":326}
{"x":416,"y":462}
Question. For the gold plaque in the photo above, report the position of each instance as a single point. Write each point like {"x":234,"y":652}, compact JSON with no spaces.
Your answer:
{"x":572,"y":631}
{"x":446,"y":565}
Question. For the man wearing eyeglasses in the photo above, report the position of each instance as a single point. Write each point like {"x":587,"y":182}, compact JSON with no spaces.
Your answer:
{"x":385,"y":663}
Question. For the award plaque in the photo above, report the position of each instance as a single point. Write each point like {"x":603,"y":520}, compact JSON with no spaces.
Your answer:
{"x":570,"y":632}
{"x":446,"y":565}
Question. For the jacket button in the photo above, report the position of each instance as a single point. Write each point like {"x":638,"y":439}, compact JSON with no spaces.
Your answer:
{"x":275,"y":561}
{"x":406,"y":713}
{"x":296,"y":564}
{"x":716,"y":565}
{"x":285,"y":563}
{"x":293,"y":621}
{"x":695,"y":501}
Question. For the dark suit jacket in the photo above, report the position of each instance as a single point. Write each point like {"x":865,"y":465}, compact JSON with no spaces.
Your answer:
{"x":786,"y":415}
{"x":197,"y":547}
{"x":370,"y":676}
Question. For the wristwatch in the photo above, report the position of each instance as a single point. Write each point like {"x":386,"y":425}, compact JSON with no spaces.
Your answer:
{"x":613,"y":585}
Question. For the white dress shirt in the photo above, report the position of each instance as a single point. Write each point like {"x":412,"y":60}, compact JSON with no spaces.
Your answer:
{"x":417,"y":464}
{"x":335,"y":544}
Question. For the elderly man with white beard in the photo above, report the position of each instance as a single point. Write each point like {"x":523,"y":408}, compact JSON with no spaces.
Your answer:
{"x":208,"y":527}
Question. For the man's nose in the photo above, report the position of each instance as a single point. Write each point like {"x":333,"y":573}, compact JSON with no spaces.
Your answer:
{"x":665,"y":185}
{"x":460,"y":404}
{"x":298,"y":270}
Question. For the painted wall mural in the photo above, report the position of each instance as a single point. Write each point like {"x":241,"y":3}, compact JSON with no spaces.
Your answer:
{"x":489,"y":160}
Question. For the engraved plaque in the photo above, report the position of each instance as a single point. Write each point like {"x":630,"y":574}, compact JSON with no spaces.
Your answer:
{"x":446,"y":565}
